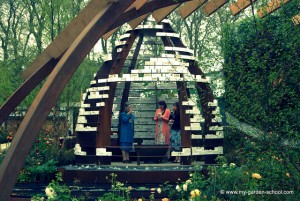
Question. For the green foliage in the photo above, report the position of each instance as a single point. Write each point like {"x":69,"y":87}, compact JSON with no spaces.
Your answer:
{"x":119,"y":192}
{"x":262,"y":73}
{"x":9,"y":79}
{"x":266,"y":155}
{"x":191,"y":189}
{"x":43,"y":160}
{"x":262,"y":76}
{"x":3,"y":136}
{"x":56,"y":190}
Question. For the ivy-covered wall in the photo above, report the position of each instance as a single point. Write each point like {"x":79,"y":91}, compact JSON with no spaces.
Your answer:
{"x":262,"y":73}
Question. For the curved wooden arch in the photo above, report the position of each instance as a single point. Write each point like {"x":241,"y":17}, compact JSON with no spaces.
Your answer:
{"x":46,"y":98}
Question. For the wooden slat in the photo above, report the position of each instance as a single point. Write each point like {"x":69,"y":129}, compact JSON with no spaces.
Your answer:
{"x":137,"y":4}
{"x":134,"y":23}
{"x":212,"y":6}
{"x":296,"y":19}
{"x":271,"y":7}
{"x":189,"y":7}
{"x":160,"y":14}
{"x":108,"y":34}
{"x":62,"y":42}
{"x":239,"y":6}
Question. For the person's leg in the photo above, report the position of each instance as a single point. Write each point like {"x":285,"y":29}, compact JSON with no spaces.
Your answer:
{"x":177,"y":143}
{"x":128,"y":156}
{"x":124,"y":155}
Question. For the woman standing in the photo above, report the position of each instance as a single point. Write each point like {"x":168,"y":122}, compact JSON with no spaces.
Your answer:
{"x":162,"y":114}
{"x":127,"y":132}
{"x":175,"y":131}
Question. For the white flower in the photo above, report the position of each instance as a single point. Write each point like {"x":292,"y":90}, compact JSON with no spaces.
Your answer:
{"x":178,"y":188}
{"x":232,"y":165}
{"x":191,"y":175}
{"x":184,"y":187}
{"x":50,"y":192}
{"x":159,"y":190}
{"x":224,"y":165}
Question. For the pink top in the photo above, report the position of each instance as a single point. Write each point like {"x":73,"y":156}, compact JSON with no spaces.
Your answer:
{"x":162,"y":135}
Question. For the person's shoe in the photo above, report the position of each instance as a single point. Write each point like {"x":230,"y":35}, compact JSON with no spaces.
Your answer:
{"x":129,"y":161}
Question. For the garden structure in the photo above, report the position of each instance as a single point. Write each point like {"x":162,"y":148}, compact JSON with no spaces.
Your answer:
{"x":62,"y":57}
{"x":154,"y":64}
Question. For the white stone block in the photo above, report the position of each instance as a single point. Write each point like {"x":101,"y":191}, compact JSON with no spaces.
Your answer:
{"x":101,"y":104}
{"x":102,"y":152}
{"x":184,"y":152}
{"x":102,"y":80}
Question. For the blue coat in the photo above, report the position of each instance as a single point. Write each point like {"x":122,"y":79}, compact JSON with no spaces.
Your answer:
{"x":127,"y":127}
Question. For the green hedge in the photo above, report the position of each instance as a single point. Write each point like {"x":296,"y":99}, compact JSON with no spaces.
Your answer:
{"x":262,"y":73}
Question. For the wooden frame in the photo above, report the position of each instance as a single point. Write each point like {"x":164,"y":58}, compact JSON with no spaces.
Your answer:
{"x":271,"y":7}
{"x":212,"y":6}
{"x":296,"y":19}
{"x":189,"y":7}
{"x":239,"y":6}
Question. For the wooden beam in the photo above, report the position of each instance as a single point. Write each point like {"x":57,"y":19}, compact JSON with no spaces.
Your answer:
{"x":134,"y":23}
{"x":212,"y":6}
{"x":160,"y":14}
{"x":296,"y":19}
{"x":20,"y":94}
{"x":137,"y":4}
{"x":271,"y":7}
{"x":189,"y":7}
{"x":108,"y":34}
{"x":239,"y":6}
{"x":148,"y":8}
{"x":48,"y":95}
{"x":62,"y":42}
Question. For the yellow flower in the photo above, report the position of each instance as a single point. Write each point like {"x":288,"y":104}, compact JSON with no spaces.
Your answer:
{"x":159,"y":190}
{"x":287,"y":174}
{"x":140,"y":199}
{"x":256,"y":176}
{"x":193,"y":194}
{"x":197,"y":192}
{"x":165,"y":199}
{"x":50,"y":192}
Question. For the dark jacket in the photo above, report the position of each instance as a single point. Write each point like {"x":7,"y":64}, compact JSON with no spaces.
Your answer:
{"x":176,"y":117}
